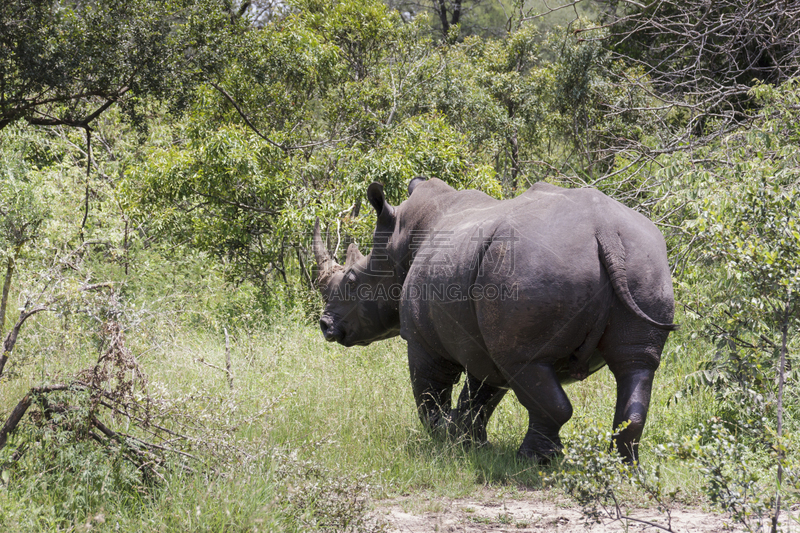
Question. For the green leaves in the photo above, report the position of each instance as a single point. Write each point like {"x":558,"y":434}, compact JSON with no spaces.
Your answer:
{"x":23,"y":198}
{"x":736,"y":202}
{"x":759,"y":241}
{"x":597,"y":478}
{"x":423,"y":145}
{"x":64,"y":62}
{"x":732,"y":481}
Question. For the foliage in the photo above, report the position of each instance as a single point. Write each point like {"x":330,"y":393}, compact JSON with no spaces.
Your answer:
{"x":423,"y":145}
{"x":57,"y":457}
{"x":23,"y":196}
{"x":709,"y":51}
{"x":237,"y":123}
{"x":595,"y":476}
{"x":739,"y":219}
{"x":733,"y":476}
{"x":320,"y":500}
{"x":67,"y":62}
{"x":23,"y":210}
{"x":760,"y":249}
{"x":313,"y":107}
{"x":311,"y":118}
{"x":734,"y":479}
{"x":114,"y":440}
{"x":453,"y":18}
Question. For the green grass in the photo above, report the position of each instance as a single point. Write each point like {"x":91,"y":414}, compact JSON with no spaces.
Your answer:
{"x":349,"y":412}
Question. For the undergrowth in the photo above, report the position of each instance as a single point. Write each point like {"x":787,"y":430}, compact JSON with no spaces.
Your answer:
{"x":310,"y":435}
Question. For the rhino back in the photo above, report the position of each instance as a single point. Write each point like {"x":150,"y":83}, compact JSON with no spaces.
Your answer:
{"x":507,"y":283}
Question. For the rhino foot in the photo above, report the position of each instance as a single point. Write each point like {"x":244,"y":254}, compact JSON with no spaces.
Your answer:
{"x":539,"y":448}
{"x":541,"y":458}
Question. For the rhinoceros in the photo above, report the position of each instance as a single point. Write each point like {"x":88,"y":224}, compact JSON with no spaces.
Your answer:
{"x":526,"y":294}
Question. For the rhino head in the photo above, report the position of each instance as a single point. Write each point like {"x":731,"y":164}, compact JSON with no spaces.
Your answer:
{"x":362,"y":297}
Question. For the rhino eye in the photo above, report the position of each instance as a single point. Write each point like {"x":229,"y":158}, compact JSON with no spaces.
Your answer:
{"x":350,"y":279}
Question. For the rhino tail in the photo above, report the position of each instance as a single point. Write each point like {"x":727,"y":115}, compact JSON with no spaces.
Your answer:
{"x":612,"y":254}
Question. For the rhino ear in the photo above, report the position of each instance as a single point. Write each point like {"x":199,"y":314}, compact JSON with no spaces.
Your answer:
{"x":382,"y":208}
{"x":353,"y":255}
{"x":415,"y":182}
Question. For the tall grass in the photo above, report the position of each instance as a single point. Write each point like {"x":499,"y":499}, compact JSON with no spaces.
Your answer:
{"x":347,"y":412}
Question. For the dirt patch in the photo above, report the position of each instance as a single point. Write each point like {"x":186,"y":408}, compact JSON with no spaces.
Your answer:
{"x":527,"y":513}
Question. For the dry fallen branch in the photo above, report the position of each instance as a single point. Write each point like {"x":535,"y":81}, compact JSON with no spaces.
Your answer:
{"x":22,"y":407}
{"x":26,"y":312}
{"x":113,"y":385}
{"x":146,"y":456}
{"x":109,"y":405}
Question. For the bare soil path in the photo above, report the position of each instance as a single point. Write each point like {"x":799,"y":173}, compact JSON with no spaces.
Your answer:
{"x":530,"y":512}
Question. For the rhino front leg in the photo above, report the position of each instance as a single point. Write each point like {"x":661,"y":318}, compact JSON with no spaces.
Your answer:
{"x":538,"y":389}
{"x":633,"y":401}
{"x":475,"y":405}
{"x":432,"y":380}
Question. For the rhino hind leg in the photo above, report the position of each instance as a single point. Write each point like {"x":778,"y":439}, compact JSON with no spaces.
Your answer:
{"x":633,"y":355}
{"x":633,"y":401}
{"x":538,"y":389}
{"x":475,"y":406}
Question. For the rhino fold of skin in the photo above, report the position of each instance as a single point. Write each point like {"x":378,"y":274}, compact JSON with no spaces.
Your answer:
{"x":526,"y":294}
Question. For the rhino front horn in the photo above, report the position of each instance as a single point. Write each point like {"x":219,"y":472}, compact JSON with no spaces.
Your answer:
{"x":324,"y":261}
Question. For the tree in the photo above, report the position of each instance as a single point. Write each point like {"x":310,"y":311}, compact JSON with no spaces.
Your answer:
{"x":702,"y":58}
{"x":471,"y":17}
{"x":443,"y":8}
{"x":308,"y":112}
{"x":23,"y":210}
{"x":311,"y":108}
{"x":743,"y":195}
{"x":707,"y":51}
{"x":760,"y":244}
{"x":66,"y":62}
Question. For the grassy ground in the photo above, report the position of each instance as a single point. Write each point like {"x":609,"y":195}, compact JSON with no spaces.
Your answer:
{"x":310,"y":413}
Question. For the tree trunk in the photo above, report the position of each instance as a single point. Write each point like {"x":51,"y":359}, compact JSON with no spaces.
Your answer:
{"x":19,"y":411}
{"x":514,"y":141}
{"x":12,"y":259}
{"x":88,"y":175}
{"x":303,"y":269}
{"x":779,"y":429}
{"x":13,"y":419}
{"x":442,"y":10}
{"x":456,"y":13}
{"x":11,"y":338}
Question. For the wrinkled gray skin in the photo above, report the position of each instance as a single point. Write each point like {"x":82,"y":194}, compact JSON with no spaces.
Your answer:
{"x":586,"y":282}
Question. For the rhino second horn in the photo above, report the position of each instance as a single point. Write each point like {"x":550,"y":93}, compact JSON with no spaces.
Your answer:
{"x":353,"y":255}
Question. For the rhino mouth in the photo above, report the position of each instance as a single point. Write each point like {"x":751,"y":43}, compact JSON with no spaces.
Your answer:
{"x":335,"y":337}
{"x":334,"y":333}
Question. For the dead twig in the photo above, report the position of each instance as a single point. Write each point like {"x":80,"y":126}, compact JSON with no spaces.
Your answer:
{"x":228,"y":359}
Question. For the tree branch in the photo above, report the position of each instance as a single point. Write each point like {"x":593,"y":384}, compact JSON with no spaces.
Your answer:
{"x":22,"y":407}
{"x":246,"y":118}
